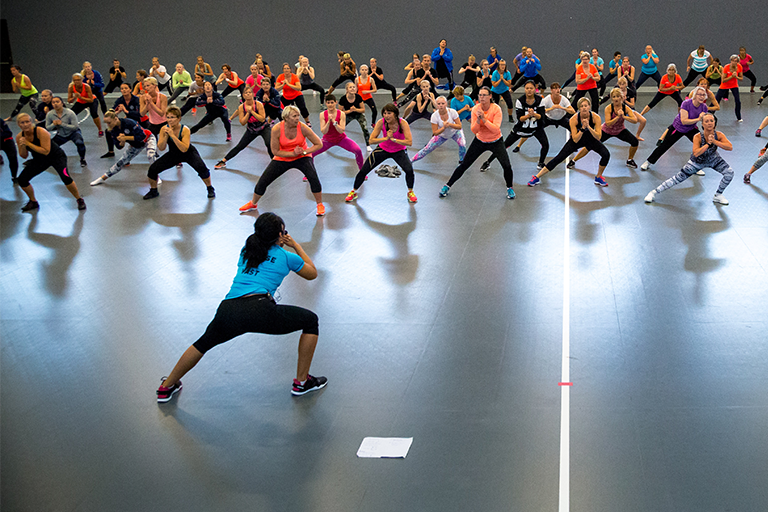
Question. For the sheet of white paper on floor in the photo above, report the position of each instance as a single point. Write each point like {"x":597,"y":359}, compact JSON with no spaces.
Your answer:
{"x":385,"y":447}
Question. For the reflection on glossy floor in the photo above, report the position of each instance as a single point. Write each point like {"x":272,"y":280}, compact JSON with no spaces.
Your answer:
{"x":440,"y":320}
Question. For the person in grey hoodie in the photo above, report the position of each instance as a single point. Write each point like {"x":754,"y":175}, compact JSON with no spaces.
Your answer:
{"x":64,"y":122}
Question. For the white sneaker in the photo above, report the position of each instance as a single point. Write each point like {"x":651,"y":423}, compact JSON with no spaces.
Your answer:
{"x":719,"y":199}
{"x":650,"y":196}
{"x":98,"y":181}
{"x":370,"y":149}
{"x":646,"y":165}
{"x":700,"y":172}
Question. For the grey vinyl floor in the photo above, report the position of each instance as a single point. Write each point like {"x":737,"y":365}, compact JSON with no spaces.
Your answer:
{"x":440,"y":321}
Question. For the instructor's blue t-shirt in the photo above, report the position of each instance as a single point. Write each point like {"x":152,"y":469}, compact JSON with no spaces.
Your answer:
{"x":266,"y":277}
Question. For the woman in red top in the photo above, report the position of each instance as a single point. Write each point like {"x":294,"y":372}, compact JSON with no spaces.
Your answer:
{"x":234,"y":82}
{"x":670,"y":86}
{"x":81,"y":95}
{"x":289,"y":145}
{"x":587,"y":77}
{"x":289,"y":85}
{"x":732,"y":73}
{"x":366,"y":86}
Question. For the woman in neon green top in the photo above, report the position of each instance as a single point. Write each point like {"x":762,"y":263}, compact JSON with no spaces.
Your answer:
{"x":23,"y":85}
{"x":181,"y":80}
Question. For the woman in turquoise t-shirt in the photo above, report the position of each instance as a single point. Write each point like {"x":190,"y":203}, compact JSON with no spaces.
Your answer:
{"x":649,"y":69}
{"x":502,"y":81}
{"x":250,"y":307}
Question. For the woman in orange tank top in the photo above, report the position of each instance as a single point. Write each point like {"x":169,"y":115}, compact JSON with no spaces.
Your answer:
{"x":366,"y":86}
{"x":289,"y":145}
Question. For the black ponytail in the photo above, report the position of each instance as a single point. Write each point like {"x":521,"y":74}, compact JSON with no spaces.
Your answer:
{"x":266,"y":232}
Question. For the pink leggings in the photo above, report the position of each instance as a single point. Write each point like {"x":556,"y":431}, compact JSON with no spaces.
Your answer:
{"x":345,"y":143}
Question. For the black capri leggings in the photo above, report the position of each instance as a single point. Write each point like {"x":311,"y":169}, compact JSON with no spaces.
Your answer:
{"x":173,"y":158}
{"x":299,"y":102}
{"x":507,"y":98}
{"x":624,"y":135}
{"x":100,"y":98}
{"x":540,"y":135}
{"x":379,"y":156}
{"x":477,"y":148}
{"x":752,"y":78}
{"x":342,"y":79}
{"x":383,"y":84}
{"x":670,"y":140}
{"x":23,"y":100}
{"x":586,"y":141}
{"x":39,"y":165}
{"x":415,"y":115}
{"x":228,"y":89}
{"x":93,"y":107}
{"x":189,"y":105}
{"x":643,"y":77}
{"x":592,"y":97}
{"x":372,"y":105}
{"x":211,"y":117}
{"x":247,"y":138}
{"x":314,"y":87}
{"x":277,"y":168}
{"x":256,"y":313}
{"x":660,"y":96}
{"x":692,"y":74}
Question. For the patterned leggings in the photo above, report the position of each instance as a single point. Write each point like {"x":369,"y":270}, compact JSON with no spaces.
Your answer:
{"x":715,"y":162}
{"x":437,"y":141}
{"x":150,"y":145}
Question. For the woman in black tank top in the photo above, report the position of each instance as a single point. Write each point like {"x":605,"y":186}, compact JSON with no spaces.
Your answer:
{"x":45,"y":153}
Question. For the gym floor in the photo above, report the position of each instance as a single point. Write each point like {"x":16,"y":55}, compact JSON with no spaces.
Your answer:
{"x":440,"y":321}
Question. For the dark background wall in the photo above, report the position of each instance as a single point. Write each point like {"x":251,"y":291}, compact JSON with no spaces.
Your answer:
{"x":51,"y":39}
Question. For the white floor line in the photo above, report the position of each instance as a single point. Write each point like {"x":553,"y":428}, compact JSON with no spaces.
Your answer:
{"x":565,"y":378}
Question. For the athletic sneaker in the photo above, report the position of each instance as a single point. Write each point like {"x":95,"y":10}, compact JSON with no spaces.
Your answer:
{"x":83,"y":163}
{"x":759,"y":102}
{"x":220,"y":165}
{"x":247,"y":207}
{"x":412,"y":197}
{"x":229,"y":137}
{"x":108,"y":154}
{"x":758,"y":132}
{"x":632,"y":164}
{"x":311,"y":384}
{"x":152,"y":194}
{"x":510,"y":193}
{"x":211,"y":193}
{"x":516,"y":150}
{"x":485,"y":166}
{"x":31,"y":205}
{"x":600,"y":181}
{"x":351,"y":197}
{"x":534,"y":181}
{"x":179,"y":166}
{"x":539,"y":166}
{"x":194,"y":110}
{"x":646,"y":165}
{"x":304,"y":178}
{"x":98,"y":181}
{"x":81,"y":204}
{"x":165,"y":394}
{"x":320,"y":209}
{"x":570,"y":164}
{"x":719,"y":199}
{"x":650,"y":196}
{"x":370,"y":149}
{"x":747,"y":178}
{"x":444,"y":190}
{"x":101,"y":133}
{"x":659,"y":142}
{"x":700,"y":172}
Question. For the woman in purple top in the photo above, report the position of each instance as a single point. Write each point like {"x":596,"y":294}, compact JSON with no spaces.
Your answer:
{"x":691,"y":112}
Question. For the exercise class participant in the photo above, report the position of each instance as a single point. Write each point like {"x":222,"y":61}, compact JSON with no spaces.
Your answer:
{"x":462,"y":103}
{"x":43,"y":106}
{"x":307,"y":78}
{"x":154,"y":105}
{"x":446,"y":124}
{"x":176,"y":137}
{"x":138,"y":139}
{"x":333,"y":124}
{"x":486,"y":125}
{"x":557,"y":112}
{"x":81,"y":95}
{"x":705,"y":146}
{"x":758,"y":164}
{"x":366,"y":86}
{"x":45,"y":153}
{"x":746,"y":61}
{"x":352,"y":106}
{"x":9,"y":147}
{"x":196,"y":89}
{"x":585,"y":133}
{"x":670,"y":86}
{"x":251,"y":115}
{"x":470,"y":70}
{"x":502,"y":81}
{"x":116,"y":76}
{"x":587,"y":77}
{"x":180,"y":80}
{"x":270,"y":98}
{"x":732,"y":73}
{"x":289,"y":145}
{"x":94,"y":79}
{"x":289,"y":85}
{"x":64,"y":121}
{"x":347,"y":71}
{"x":393,"y":136}
{"x":233,"y":81}
{"x":530,"y":123}
{"x":684,"y":125}
{"x":21,"y":84}
{"x":250,"y":307}
{"x":419,"y":107}
{"x":697,"y":64}
{"x":215,"y":108}
{"x":378,"y":77}
{"x":442,"y":58}
{"x":649,"y":68}
{"x":615,"y":115}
